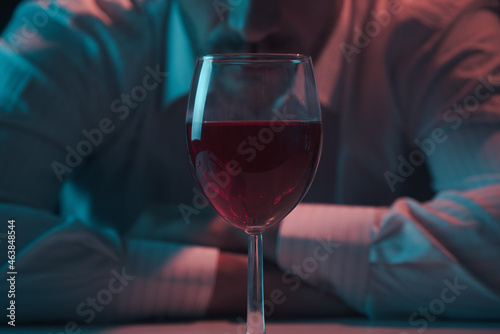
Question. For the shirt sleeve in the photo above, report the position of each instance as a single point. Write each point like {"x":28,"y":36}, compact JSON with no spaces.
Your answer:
{"x":70,"y":271}
{"x":448,"y":73}
{"x":405,"y":260}
{"x":423,"y":261}
{"x":62,"y":63}
{"x":412,"y":260}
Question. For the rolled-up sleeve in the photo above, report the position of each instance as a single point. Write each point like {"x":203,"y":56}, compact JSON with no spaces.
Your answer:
{"x":439,"y":256}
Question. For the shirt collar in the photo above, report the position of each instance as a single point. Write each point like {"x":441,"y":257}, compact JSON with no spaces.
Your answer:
{"x":180,"y":58}
{"x":330,"y":62}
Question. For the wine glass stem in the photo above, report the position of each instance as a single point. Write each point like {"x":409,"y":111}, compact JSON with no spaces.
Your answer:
{"x":255,"y":300}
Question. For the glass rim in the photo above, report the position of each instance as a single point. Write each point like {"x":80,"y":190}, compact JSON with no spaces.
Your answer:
{"x":255,"y":57}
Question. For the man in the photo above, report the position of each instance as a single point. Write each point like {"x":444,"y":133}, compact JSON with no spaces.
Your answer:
{"x":93,"y":101}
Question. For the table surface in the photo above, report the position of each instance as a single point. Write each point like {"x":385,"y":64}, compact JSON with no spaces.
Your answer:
{"x":327,"y":326}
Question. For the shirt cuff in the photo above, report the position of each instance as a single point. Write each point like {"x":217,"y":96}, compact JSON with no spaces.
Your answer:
{"x":171,"y":280}
{"x":328,"y":246}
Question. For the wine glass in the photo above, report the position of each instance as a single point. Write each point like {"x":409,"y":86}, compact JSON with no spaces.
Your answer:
{"x":254,"y":137}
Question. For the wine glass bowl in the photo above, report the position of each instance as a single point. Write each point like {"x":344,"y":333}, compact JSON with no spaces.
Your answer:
{"x":254,"y":136}
{"x":255,"y":172}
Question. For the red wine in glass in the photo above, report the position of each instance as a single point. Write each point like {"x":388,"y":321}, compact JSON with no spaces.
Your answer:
{"x":255,"y":172}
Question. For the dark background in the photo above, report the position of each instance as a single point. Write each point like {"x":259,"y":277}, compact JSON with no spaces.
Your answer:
{"x":6,"y":9}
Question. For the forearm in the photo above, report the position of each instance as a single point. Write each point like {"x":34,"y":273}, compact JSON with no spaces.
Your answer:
{"x":328,"y":246}
{"x":392,"y":261}
{"x":75,"y":272}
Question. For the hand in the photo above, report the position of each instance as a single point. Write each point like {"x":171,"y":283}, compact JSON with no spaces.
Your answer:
{"x":285,"y":295}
